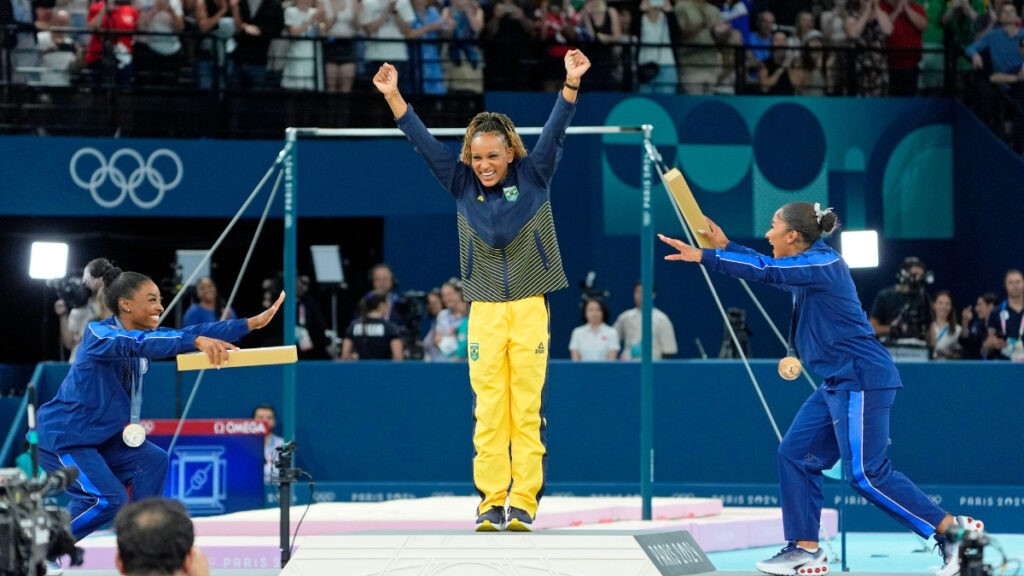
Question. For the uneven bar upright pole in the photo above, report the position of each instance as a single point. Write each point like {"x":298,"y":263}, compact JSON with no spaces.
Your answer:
{"x":290,"y":224}
{"x":646,"y":363}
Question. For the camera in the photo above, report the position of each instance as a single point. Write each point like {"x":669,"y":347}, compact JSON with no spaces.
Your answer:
{"x":971,"y":550}
{"x":411,"y":309}
{"x":71,"y":290}
{"x":31,"y":532}
{"x":738,"y":321}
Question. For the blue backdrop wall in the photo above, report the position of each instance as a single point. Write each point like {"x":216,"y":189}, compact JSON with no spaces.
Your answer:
{"x":379,"y":430}
{"x":925,"y":173}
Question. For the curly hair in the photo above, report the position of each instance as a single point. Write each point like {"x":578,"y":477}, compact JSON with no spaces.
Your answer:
{"x":492,"y":123}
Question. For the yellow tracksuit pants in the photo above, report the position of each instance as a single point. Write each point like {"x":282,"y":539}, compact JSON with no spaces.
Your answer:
{"x":508,"y":364}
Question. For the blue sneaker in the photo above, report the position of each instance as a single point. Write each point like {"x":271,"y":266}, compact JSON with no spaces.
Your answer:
{"x":795,"y":560}
{"x":491,"y":521}
{"x":519,"y":520}
{"x":54,"y":568}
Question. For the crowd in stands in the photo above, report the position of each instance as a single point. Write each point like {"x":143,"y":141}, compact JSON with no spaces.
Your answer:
{"x":910,"y":320}
{"x":857,"y":47}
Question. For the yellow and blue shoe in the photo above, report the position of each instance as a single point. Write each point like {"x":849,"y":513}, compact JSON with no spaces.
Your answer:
{"x":519,"y":520}
{"x":491,"y":521}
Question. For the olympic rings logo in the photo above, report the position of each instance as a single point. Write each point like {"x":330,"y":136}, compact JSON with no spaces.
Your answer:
{"x":146,"y":171}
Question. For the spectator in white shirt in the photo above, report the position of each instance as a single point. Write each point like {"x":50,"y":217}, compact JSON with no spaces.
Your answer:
{"x":388,"y":21}
{"x":628,"y":326}
{"x":594,"y":341}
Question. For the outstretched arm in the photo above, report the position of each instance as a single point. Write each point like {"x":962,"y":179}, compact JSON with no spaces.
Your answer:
{"x":386,"y":80}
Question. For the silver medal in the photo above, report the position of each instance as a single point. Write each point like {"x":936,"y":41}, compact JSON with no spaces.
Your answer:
{"x":134,"y":435}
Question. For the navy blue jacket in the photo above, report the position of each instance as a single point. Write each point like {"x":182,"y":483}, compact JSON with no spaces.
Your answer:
{"x":94,"y":401}
{"x":833,"y":335}
{"x":507,"y":244}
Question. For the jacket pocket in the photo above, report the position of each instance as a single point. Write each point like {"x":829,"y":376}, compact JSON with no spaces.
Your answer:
{"x":469,"y":260}
{"x":540,"y":250}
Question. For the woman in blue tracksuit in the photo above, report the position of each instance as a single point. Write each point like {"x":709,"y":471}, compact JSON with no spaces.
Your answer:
{"x":848,"y":416}
{"x":82,"y":425}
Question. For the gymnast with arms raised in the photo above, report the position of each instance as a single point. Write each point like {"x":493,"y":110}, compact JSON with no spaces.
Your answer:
{"x":510,"y":261}
{"x":848,"y":415}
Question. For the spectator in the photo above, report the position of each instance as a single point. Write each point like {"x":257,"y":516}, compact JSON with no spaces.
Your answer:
{"x":427,"y":28}
{"x":658,"y":30}
{"x":629,"y":328}
{"x":944,"y":332}
{"x":431,"y":353}
{"x":604,"y":29}
{"x":1006,"y":321}
{"x":868,"y":27}
{"x":803,"y":28}
{"x":833,"y":23}
{"x":383,"y":279}
{"x":158,"y":58}
{"x":257,"y":23}
{"x":558,"y":31}
{"x":73,"y":322}
{"x":986,"y":20}
{"x":303,"y":19}
{"x":901,"y":314}
{"x":271,"y":442}
{"x":776,"y":75}
{"x":311,"y":328}
{"x":1004,"y":54}
{"x":595,"y":340}
{"x":210,"y":18}
{"x":385,"y":23}
{"x":909,"y":21}
{"x":762,"y":38}
{"x":974,"y":324}
{"x":452,"y":326}
{"x":464,"y":69}
{"x":698,"y":62}
{"x":109,"y":54}
{"x":372,"y":336}
{"x":24,"y":52}
{"x":156,"y":536}
{"x":958,"y":21}
{"x":340,"y":55}
{"x":509,"y":33}
{"x":209,"y":307}
{"x":59,"y":53}
{"x":736,"y":15}
{"x":814,"y":67}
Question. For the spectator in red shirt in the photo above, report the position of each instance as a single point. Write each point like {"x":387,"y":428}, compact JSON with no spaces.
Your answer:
{"x":117,"y":15}
{"x":908,"y":22}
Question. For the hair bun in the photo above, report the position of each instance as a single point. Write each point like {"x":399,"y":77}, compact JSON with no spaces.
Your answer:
{"x":111,"y":274}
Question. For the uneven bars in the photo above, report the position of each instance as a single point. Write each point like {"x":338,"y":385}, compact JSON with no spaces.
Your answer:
{"x":383,"y":132}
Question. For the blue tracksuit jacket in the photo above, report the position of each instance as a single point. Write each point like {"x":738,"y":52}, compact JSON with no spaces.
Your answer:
{"x":94,"y":401}
{"x":833,"y":335}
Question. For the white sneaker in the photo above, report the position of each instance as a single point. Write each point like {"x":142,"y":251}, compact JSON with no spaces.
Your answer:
{"x":54,"y":568}
{"x":951,"y":550}
{"x":793,"y":560}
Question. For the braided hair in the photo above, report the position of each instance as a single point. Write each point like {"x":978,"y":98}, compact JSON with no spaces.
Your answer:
{"x":492,"y":123}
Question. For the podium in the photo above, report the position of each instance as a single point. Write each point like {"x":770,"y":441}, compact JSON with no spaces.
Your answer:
{"x":217,"y":464}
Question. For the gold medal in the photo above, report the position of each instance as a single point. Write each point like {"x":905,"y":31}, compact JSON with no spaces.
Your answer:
{"x":134,"y":435}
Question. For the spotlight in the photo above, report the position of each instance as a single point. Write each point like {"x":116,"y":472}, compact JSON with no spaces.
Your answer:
{"x":860,"y":248}
{"x":49,"y":260}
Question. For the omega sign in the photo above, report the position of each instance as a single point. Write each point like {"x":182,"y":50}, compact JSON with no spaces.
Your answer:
{"x":128,"y":173}
{"x":239,"y":427}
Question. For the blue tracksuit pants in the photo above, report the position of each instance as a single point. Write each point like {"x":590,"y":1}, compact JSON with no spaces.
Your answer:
{"x":853,"y":425}
{"x":105,"y":473}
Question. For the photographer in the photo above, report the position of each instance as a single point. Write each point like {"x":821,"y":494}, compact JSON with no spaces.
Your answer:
{"x":1006,"y":322}
{"x":902,"y":313}
{"x":80,"y":302}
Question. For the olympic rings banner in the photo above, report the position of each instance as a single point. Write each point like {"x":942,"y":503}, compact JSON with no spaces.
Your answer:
{"x":202,"y":178}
